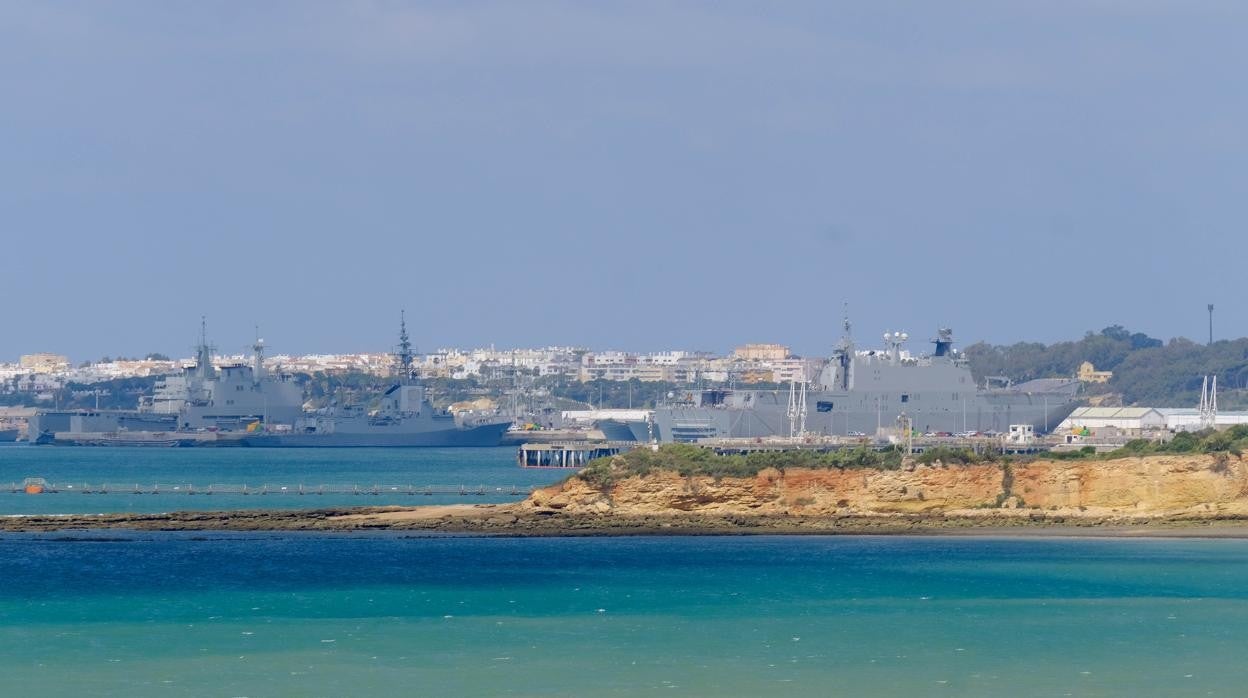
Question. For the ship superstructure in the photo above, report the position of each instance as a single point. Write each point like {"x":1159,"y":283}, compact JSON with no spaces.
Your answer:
{"x":232,"y":396}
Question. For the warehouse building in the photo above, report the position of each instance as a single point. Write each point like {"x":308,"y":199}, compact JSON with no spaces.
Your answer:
{"x":1139,"y":421}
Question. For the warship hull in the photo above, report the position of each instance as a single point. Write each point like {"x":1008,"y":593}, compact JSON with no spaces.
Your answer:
{"x":485,"y":435}
{"x":45,"y":424}
{"x":769,"y":417}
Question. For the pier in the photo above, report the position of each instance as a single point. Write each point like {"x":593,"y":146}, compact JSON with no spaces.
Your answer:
{"x":568,"y":454}
{"x":915,"y":445}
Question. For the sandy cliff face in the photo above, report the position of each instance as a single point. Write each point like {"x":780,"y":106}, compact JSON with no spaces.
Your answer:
{"x":1149,"y":486}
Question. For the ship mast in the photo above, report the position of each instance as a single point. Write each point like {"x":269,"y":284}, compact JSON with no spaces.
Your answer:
{"x":845,"y":353}
{"x":203,"y":352}
{"x":404,"y":356}
{"x":258,"y":357}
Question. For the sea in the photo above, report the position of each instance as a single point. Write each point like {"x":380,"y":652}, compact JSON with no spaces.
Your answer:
{"x":94,"y":480}
{"x":122,"y":613}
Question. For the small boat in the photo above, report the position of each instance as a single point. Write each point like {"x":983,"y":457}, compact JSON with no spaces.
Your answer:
{"x":34,"y":485}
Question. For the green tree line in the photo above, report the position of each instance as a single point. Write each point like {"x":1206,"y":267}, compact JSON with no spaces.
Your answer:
{"x":1146,"y":370}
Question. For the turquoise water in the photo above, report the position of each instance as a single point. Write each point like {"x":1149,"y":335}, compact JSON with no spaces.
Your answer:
{"x":491,"y":468}
{"x":389,"y":615}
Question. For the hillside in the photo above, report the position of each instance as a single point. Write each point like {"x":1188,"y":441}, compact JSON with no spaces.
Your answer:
{"x":1146,"y":370}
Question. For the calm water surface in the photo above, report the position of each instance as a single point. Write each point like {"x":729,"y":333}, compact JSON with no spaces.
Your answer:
{"x":169,"y":467}
{"x":320,"y":614}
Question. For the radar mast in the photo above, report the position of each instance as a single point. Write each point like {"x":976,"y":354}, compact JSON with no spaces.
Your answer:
{"x":204,"y":351}
{"x":404,"y":357}
{"x":258,"y":357}
{"x":844,"y":354}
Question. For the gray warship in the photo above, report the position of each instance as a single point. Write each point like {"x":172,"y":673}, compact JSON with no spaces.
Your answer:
{"x":864,"y":393}
{"x":243,"y":404}
{"x":233,"y":397}
{"x":202,"y":399}
{"x":405,"y":418}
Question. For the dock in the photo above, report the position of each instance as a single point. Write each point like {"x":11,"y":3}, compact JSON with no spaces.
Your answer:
{"x":915,"y":445}
{"x":568,"y":454}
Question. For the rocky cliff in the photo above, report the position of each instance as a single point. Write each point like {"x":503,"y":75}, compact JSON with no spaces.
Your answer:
{"x":1150,"y":486}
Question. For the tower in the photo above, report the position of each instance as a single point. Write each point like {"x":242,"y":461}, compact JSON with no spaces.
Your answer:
{"x":1209,"y":403}
{"x":797,"y":408}
{"x":1211,"y":323}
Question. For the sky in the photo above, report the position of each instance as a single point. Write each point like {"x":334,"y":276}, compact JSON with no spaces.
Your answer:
{"x":638,"y":176}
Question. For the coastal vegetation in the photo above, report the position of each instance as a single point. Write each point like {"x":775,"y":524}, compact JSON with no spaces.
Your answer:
{"x":690,"y":460}
{"x":1147,"y":371}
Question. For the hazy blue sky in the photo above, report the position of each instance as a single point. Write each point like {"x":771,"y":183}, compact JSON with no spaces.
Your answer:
{"x":618,"y":174}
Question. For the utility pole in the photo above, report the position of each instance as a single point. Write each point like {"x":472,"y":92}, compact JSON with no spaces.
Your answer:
{"x":1211,"y":323}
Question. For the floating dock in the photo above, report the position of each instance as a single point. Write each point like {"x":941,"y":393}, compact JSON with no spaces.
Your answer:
{"x":569,"y":454}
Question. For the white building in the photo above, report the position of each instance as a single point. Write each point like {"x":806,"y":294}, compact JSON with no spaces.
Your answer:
{"x":1127,"y":420}
{"x":1188,"y":419}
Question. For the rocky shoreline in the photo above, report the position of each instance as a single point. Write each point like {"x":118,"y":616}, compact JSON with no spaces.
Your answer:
{"x":518,"y":520}
{"x":1187,"y":495}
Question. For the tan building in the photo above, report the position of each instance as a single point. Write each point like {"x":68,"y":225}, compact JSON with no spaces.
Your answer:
{"x":761,"y":352}
{"x":1089,"y":374}
{"x":44,"y":363}
{"x":757,"y":375}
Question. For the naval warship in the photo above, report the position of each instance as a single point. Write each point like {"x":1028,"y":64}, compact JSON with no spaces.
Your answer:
{"x":201,"y":399}
{"x":245,"y":405}
{"x":404,"y":418}
{"x":861,"y":393}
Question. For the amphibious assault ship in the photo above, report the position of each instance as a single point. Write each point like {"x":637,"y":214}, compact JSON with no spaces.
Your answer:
{"x":861,"y":393}
{"x":202,"y":400}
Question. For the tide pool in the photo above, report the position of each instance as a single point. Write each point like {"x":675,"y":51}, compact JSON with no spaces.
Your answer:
{"x":139,"y":614}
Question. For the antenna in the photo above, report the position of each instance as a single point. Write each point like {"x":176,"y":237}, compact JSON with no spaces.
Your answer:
{"x":1211,"y":323}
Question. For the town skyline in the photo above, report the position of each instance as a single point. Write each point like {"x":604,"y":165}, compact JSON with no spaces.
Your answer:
{"x":236,"y":342}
